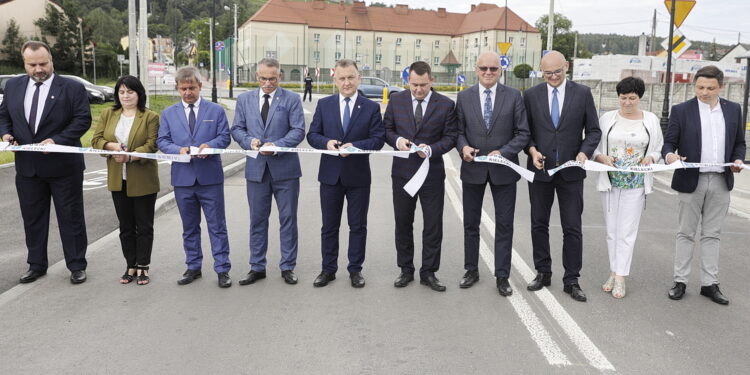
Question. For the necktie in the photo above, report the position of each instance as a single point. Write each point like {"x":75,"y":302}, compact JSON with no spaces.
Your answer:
{"x":555,"y":113}
{"x":418,"y":112}
{"x":487,"y":108}
{"x":347,"y":116}
{"x":34,"y":107}
{"x":264,"y":110}
{"x":191,"y":118}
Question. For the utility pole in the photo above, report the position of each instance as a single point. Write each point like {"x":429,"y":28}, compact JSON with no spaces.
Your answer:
{"x":83,"y":51}
{"x":575,"y":46}
{"x":144,"y":49}
{"x":550,"y":24}
{"x":93,"y":53}
{"x":652,"y":46}
{"x":132,"y":40}
{"x":214,"y":96}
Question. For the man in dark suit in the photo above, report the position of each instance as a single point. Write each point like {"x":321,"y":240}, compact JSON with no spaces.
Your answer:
{"x":271,"y":116}
{"x":705,"y":129}
{"x":422,"y":117}
{"x":560,"y":112}
{"x":308,"y":87}
{"x":491,"y":121}
{"x":344,"y":120}
{"x":198,"y":185}
{"x":42,"y":107}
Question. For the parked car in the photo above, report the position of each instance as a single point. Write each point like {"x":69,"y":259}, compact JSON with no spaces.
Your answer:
{"x":107,"y":92}
{"x":372,"y":87}
{"x":4,"y":80}
{"x":95,"y":96}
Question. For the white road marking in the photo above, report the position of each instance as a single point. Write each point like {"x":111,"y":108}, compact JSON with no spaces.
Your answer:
{"x":589,"y":350}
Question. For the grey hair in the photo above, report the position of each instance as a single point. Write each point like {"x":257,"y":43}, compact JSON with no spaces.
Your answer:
{"x":343,"y":63}
{"x":187,"y":74}
{"x":269,"y":62}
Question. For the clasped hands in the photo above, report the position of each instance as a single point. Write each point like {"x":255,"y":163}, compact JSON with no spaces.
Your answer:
{"x":538,"y":158}
{"x":335,"y":145}
{"x":403,"y":144}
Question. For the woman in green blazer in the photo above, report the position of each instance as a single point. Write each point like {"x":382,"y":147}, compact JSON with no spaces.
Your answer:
{"x":134,"y":182}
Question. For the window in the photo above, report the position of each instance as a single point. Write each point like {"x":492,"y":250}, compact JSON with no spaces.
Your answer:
{"x":379,"y":41}
{"x":485,"y":41}
{"x":398,"y":60}
{"x":522,"y":43}
{"x":338,"y":38}
{"x":316,"y":56}
{"x":398,"y":42}
{"x":359,"y":39}
{"x":437,"y":44}
{"x":271,"y":54}
{"x":510,"y":39}
{"x":316,"y":36}
{"x":378,"y":58}
{"x":476,"y":42}
{"x":417,"y":58}
{"x":436,"y":60}
{"x":418,"y":43}
{"x":358,"y":57}
{"x":338,"y":55}
{"x":454,"y":44}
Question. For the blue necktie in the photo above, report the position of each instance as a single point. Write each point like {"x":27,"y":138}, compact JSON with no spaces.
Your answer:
{"x":191,"y":118}
{"x":487,"y":108}
{"x":347,"y":116}
{"x":555,"y":113}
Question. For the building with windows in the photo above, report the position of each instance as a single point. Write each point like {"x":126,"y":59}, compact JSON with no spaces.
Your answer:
{"x":383,"y":40}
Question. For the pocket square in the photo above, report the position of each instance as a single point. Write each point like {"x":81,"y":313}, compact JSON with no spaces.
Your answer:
{"x":208,"y":120}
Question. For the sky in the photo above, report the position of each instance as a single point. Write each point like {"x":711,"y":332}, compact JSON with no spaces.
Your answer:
{"x":720,"y":19}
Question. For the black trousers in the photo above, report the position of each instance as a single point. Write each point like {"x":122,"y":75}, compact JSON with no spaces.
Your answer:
{"x":570,"y":197}
{"x":34,"y":195}
{"x":504,"y":198}
{"x":136,"y":216}
{"x":332,"y":206}
{"x":308,"y":91}
{"x":431,"y":197}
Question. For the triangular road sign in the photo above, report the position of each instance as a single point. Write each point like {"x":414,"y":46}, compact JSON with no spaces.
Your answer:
{"x":683,"y":8}
{"x":504,"y":47}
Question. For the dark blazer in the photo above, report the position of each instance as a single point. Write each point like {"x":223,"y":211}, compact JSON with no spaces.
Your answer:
{"x":508,"y":133}
{"x":66,"y":117}
{"x":684,"y":137}
{"x":578,"y":116}
{"x":438,"y":130}
{"x":365,"y":132}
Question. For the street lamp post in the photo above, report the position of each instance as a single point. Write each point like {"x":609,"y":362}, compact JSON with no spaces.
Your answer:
{"x":233,"y":53}
{"x":668,"y":80}
{"x":214,"y":94}
{"x":346,"y":22}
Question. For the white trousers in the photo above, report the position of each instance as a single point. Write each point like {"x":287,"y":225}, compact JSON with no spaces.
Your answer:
{"x":622,"y":215}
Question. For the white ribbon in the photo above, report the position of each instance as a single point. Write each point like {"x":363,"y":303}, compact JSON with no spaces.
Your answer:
{"x":593,"y":166}
{"x":254,"y":154}
{"x":497,"y":159}
{"x":38,"y":147}
{"x":416,"y":181}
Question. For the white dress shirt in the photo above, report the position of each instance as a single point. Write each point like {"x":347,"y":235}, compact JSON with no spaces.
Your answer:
{"x":43,"y":93}
{"x":483,"y":96}
{"x":560,"y":95}
{"x":122,"y":133}
{"x":262,"y":100}
{"x":712,"y":136}
{"x":342,"y":105}
{"x":196,"y":106}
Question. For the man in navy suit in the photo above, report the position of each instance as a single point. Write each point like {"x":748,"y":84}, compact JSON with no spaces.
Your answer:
{"x":421,"y":117}
{"x":198,"y":184}
{"x":271,"y":116}
{"x":345,"y":120}
{"x":705,"y":129}
{"x":42,"y":107}
{"x":560,"y":113}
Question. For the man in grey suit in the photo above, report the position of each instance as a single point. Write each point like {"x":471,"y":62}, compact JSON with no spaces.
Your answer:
{"x":491,"y":121}
{"x":560,"y":113}
{"x":271,"y":116}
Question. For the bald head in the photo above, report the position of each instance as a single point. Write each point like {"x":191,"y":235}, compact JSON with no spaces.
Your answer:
{"x":488,"y":69}
{"x":554,"y":66}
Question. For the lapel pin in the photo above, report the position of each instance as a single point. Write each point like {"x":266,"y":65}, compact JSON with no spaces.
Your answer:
{"x":52,"y":97}
{"x":359,"y":106}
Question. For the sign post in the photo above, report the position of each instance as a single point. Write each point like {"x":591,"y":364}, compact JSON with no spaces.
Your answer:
{"x":685,"y":7}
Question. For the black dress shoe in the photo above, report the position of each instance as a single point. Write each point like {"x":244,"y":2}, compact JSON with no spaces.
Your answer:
{"x":357,"y":280}
{"x":713,"y":292}
{"x":189,"y":276}
{"x":323,"y":279}
{"x":433,"y":282}
{"x":78,"y":277}
{"x":289,"y":277}
{"x":224,"y":280}
{"x":403,"y":280}
{"x":470,"y":278}
{"x":503,"y":286}
{"x":31,"y":275}
{"x":541,"y":280}
{"x":575,"y":292}
{"x":252,"y":277}
{"x":677,"y":291}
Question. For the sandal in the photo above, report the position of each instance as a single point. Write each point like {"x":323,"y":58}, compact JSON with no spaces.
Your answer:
{"x":619,"y":289}
{"x":143,"y":278}
{"x":609,"y":284}
{"x":127,"y":278}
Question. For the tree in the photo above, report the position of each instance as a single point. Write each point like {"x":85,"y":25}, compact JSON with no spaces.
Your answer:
{"x":63,"y":27}
{"x":12,"y":44}
{"x":522,"y":71}
{"x":106,"y":28}
{"x":563,"y":38}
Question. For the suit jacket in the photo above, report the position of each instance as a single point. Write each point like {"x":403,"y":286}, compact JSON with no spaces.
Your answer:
{"x":508,"y":133}
{"x":438,"y":130}
{"x":578,"y":116}
{"x":684,"y":137}
{"x":66,"y":117}
{"x":142,"y":174}
{"x":211,"y":128}
{"x":285,"y":127}
{"x":365,"y":132}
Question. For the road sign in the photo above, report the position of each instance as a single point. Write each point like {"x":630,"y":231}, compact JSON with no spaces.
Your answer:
{"x":504,"y":62}
{"x":219,"y":46}
{"x":120,"y":58}
{"x":682,"y":9}
{"x":156,"y":69}
{"x":304,"y":72}
{"x":679,"y":44}
{"x":504,"y":47}
{"x":333,"y":71}
{"x":460,"y":79}
{"x":317,"y":72}
{"x":405,"y":75}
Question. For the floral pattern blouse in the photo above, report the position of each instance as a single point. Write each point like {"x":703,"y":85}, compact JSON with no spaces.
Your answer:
{"x":627,"y":142}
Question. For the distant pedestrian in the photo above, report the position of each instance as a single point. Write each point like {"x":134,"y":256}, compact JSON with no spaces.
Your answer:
{"x":308,"y":87}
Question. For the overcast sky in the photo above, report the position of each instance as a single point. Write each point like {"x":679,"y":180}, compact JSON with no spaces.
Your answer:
{"x":722,"y":19}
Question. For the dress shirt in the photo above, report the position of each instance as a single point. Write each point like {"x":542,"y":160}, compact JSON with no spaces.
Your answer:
{"x":342,"y":105}
{"x":122,"y":133}
{"x":414,"y":103}
{"x":560,"y":96}
{"x":262,"y":100}
{"x":712,"y":136}
{"x":196,"y":105}
{"x":483,"y":96}
{"x":43,"y":93}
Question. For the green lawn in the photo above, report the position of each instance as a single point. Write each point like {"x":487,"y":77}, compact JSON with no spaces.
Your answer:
{"x":157,"y":103}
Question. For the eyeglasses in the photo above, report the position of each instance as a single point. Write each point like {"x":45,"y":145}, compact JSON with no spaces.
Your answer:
{"x":269,"y":79}
{"x":555,"y":73}
{"x":492,"y":69}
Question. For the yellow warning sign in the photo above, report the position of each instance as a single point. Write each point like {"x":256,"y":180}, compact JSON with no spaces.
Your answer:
{"x":504,"y":47}
{"x":682,"y":9}
{"x":679,"y":44}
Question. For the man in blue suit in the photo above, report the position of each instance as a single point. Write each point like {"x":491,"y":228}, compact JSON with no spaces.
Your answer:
{"x":705,"y":129}
{"x":344,"y":120}
{"x":200,"y":183}
{"x":271,"y":116}
{"x":42,"y":107}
